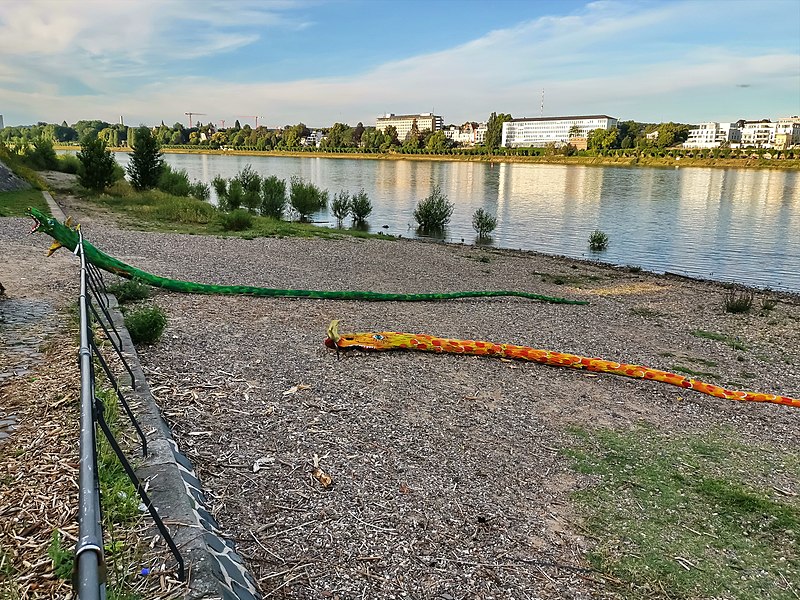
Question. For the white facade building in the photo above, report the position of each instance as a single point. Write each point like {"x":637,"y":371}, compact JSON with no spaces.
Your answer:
{"x":758,"y":134}
{"x":538,"y":132}
{"x":468,"y":134}
{"x":712,"y":135}
{"x":403,"y":123}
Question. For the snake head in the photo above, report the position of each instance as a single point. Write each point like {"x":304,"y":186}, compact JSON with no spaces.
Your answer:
{"x":332,"y":341}
{"x":64,"y":234}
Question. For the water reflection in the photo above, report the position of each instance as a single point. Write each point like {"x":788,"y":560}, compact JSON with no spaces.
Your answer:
{"x":729,"y":224}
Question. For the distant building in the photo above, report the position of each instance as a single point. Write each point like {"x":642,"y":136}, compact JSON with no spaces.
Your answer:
{"x":787,"y":132}
{"x":1,"y":121}
{"x":538,"y":132}
{"x":313,"y":139}
{"x":468,"y":134}
{"x":758,"y":134}
{"x":403,"y":123}
{"x":713,"y":135}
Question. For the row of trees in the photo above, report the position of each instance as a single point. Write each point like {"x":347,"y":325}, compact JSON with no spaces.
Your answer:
{"x":339,"y":137}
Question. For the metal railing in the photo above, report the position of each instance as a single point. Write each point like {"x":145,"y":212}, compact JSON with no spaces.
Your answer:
{"x":89,"y":576}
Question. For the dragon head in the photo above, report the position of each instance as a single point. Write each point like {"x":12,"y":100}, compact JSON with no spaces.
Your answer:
{"x":63,"y":234}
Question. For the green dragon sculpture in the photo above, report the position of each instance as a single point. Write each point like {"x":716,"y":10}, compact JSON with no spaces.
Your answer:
{"x":66,"y":235}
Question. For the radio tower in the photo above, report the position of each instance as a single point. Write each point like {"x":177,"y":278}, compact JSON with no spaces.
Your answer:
{"x":541,"y":111}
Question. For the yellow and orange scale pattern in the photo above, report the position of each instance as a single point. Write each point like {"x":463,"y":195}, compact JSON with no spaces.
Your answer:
{"x":392,"y":340}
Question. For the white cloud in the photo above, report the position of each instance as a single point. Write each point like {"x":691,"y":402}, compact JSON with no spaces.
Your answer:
{"x":609,"y":58}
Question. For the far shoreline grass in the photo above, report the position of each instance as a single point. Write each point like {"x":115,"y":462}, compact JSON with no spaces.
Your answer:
{"x":596,"y":161}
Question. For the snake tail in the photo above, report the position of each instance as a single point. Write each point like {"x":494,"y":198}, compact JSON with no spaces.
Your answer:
{"x":65,"y":235}
{"x":391,"y":340}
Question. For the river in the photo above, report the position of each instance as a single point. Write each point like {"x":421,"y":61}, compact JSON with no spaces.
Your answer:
{"x":733,"y":225}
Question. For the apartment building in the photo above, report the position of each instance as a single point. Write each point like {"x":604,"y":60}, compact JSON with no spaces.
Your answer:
{"x":403,"y":123}
{"x":713,"y":135}
{"x":538,"y":132}
{"x":468,"y":134}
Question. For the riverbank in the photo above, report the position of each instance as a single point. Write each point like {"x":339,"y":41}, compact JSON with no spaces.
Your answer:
{"x":459,"y":475}
{"x":599,"y":161}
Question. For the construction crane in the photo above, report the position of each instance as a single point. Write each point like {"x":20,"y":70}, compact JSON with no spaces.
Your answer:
{"x":190,"y":117}
{"x":250,"y":117}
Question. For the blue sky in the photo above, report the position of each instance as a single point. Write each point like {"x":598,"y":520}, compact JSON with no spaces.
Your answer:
{"x":322,"y":61}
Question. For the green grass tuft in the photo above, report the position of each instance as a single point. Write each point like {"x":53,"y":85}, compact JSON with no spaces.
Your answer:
{"x":146,"y":324}
{"x":687,"y":516}
{"x":719,"y":337}
{"x":14,"y":204}
{"x":129,"y":290}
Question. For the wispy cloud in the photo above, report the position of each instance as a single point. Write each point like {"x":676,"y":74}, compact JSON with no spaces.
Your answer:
{"x":608,"y":57}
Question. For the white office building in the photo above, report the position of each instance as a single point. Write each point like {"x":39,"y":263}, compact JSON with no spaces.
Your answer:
{"x":538,"y":132}
{"x":713,"y":135}
{"x":403,"y":123}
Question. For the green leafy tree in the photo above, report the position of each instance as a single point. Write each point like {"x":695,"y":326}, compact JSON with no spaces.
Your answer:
{"x":390,"y":138}
{"x":97,"y":164}
{"x":360,"y":207}
{"x":146,"y":161}
{"x":483,"y":223}
{"x":438,"y":142}
{"x":306,"y":198}
{"x":433,"y":212}
{"x":494,"y":130}
{"x":574,"y":131}
{"x":273,"y":197}
{"x":340,"y":207}
{"x":671,"y":133}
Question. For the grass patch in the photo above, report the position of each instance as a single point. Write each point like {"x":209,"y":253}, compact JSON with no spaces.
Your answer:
{"x":693,"y":373}
{"x":146,"y":324}
{"x":566,"y":279}
{"x":684,"y":516}
{"x":154,"y":210}
{"x":738,"y":301}
{"x":647,"y":313}
{"x":719,"y":337}
{"x":14,"y":204}
{"x":129,"y":290}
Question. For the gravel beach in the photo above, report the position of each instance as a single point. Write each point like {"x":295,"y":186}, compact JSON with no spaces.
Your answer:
{"x":449,"y":474}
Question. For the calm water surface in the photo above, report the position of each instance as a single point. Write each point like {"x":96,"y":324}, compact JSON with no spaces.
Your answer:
{"x":736,"y":225}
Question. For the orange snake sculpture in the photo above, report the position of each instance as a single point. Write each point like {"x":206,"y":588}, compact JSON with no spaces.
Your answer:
{"x":391,"y":340}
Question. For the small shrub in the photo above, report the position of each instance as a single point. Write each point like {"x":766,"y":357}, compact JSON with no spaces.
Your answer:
{"x":273,"y":197}
{"x":306,"y":198}
{"x":598,"y":241}
{"x":42,"y":155}
{"x":340,"y":207}
{"x":200,"y":190}
{"x":146,"y":325}
{"x":433,"y":212}
{"x":237,"y":220}
{"x":251,"y":188}
{"x":235,"y":195}
{"x":483,"y":222}
{"x":360,"y":207}
{"x":68,"y":163}
{"x":738,"y":301}
{"x":129,"y":290}
{"x":768,"y":302}
{"x":220,"y":185}
{"x":174,"y":182}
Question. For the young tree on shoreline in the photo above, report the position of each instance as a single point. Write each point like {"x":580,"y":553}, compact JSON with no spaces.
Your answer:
{"x":146,"y":161}
{"x":97,"y":164}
